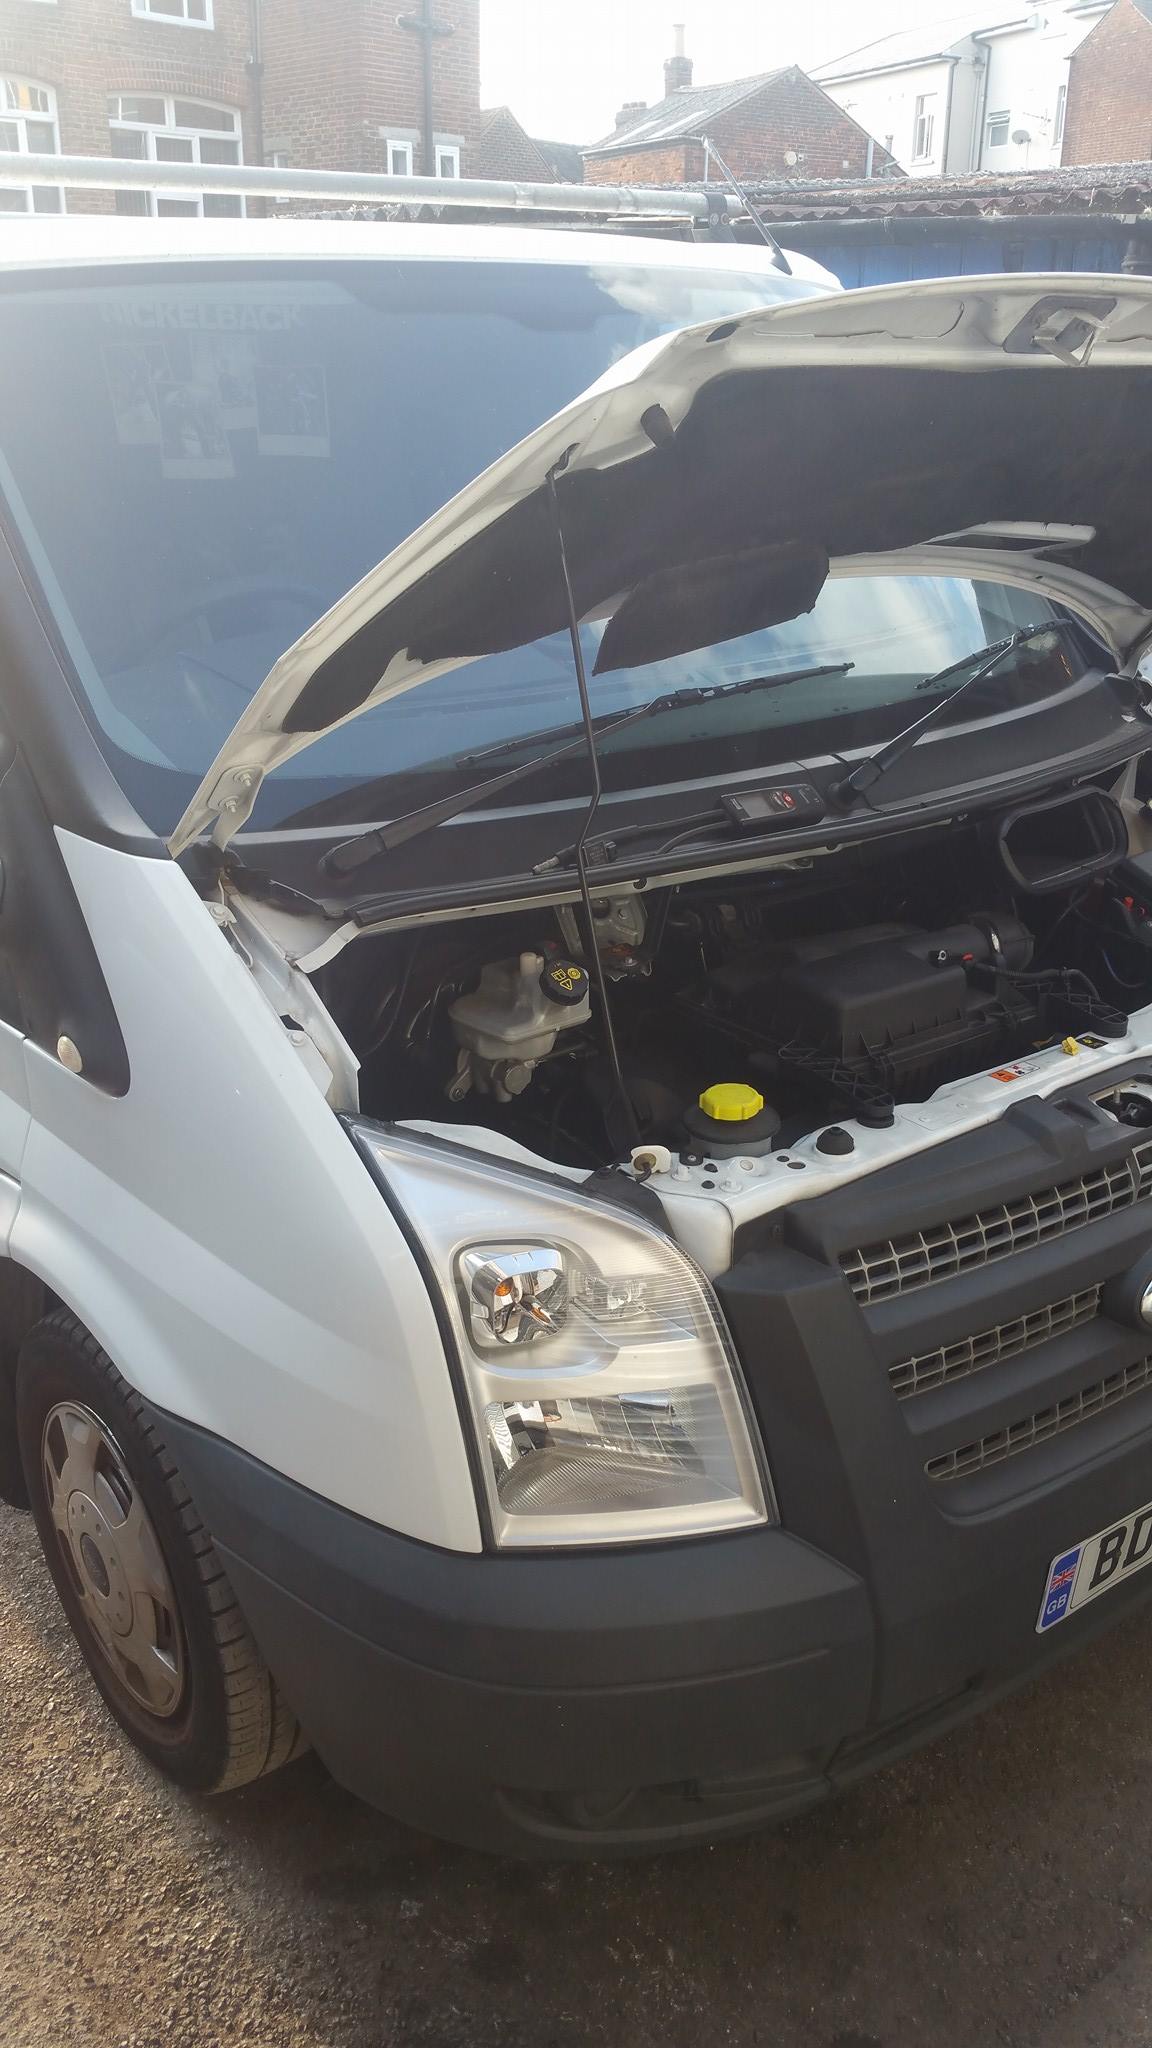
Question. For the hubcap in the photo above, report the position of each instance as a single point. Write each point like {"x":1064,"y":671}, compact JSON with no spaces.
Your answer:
{"x":113,"y":1558}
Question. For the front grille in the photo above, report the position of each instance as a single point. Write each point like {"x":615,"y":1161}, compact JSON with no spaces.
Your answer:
{"x":876,"y":1272}
{"x":1047,"y":1422}
{"x":992,"y":1347}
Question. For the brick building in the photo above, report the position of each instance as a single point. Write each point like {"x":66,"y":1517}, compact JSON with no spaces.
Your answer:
{"x":1108,"y":119}
{"x":314,"y":83}
{"x":343,"y":84}
{"x":774,"y":125}
{"x":504,"y":149}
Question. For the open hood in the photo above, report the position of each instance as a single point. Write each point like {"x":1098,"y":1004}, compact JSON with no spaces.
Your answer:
{"x":1003,"y":421}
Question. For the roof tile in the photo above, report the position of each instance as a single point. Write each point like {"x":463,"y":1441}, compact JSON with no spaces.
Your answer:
{"x":682,"y":114}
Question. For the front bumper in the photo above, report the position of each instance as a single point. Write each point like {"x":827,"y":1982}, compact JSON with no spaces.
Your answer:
{"x":939,"y":1430}
{"x":544,"y":1705}
{"x":579,"y":1706}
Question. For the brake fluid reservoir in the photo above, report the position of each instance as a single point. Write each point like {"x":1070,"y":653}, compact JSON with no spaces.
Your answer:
{"x":514,"y":1018}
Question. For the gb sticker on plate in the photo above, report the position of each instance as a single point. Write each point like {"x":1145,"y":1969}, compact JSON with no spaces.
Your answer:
{"x":1095,"y":1566}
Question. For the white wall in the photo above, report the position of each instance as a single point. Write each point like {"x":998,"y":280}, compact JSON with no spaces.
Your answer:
{"x":1025,"y":73}
{"x":1018,"y":72}
{"x":967,"y":100}
{"x":885,"y":104}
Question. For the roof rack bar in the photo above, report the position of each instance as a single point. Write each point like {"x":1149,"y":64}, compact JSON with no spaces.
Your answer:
{"x":253,"y":181}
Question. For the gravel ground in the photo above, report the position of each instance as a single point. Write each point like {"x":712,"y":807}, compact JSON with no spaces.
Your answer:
{"x":996,"y":1889}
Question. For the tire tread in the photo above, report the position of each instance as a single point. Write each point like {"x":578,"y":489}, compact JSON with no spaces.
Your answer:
{"x":262,"y":1731}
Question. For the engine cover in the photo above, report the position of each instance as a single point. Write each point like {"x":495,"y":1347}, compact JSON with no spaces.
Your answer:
{"x":852,"y":994}
{"x":889,"y":1003}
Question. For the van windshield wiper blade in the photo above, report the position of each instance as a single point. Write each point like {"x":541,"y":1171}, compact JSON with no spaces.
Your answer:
{"x":868,"y":772}
{"x":697,"y":693}
{"x":355,"y":853}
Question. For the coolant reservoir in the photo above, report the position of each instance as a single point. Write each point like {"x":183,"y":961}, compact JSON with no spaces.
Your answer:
{"x":731,"y":1118}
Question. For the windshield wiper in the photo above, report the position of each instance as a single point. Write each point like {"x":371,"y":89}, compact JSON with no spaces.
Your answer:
{"x":701,"y":693}
{"x":868,"y":772}
{"x":355,"y":853}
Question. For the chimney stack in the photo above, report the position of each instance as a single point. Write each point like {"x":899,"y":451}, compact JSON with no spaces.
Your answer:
{"x":630,"y":111}
{"x":677,"y":68}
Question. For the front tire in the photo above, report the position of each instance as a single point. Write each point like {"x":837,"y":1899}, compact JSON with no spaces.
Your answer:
{"x":146,"y":1596}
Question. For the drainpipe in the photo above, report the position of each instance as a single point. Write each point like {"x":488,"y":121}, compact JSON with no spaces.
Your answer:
{"x":947,"y":141}
{"x":869,"y":159}
{"x":427,"y":28}
{"x":979,"y":108}
{"x":256,"y":77}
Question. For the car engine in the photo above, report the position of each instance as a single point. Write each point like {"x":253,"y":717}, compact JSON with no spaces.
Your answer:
{"x":834,"y":987}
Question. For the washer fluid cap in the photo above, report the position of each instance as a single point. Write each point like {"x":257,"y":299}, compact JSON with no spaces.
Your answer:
{"x":731,"y":1102}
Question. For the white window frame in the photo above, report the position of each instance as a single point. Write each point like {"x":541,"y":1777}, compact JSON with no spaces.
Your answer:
{"x":1060,"y":117}
{"x":19,"y":117}
{"x":397,"y":145}
{"x":1003,"y":120}
{"x":279,"y":160}
{"x":924,"y":127}
{"x":450,"y":152}
{"x":121,"y":124}
{"x":144,"y":11}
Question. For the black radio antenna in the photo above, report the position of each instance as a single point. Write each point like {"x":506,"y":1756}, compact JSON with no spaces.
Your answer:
{"x":742,"y":193}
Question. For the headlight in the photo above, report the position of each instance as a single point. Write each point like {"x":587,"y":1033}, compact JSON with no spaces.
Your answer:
{"x":605,"y":1398}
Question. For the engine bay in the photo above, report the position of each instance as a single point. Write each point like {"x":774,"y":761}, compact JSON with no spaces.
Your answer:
{"x":747,"y":1011}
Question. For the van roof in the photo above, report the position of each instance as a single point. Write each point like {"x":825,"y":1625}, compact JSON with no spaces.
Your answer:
{"x":38,"y":241}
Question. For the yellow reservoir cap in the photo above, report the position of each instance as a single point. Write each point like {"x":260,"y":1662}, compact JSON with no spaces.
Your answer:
{"x":731,"y":1102}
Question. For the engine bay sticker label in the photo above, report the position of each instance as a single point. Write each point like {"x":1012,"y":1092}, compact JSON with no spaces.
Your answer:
{"x":1007,"y":1073}
{"x":1094,"y":1566}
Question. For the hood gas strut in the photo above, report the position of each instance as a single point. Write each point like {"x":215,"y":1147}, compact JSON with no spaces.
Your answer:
{"x":595,"y":962}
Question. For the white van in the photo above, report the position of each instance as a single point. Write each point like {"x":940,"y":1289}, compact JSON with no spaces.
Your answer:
{"x":575,"y":1004}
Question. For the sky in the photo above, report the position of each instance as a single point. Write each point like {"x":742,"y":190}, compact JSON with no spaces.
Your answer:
{"x":565,"y":66}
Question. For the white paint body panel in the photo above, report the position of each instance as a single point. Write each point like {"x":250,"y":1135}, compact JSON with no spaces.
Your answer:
{"x":55,"y":241}
{"x":14,"y":1116}
{"x":218,"y":1233}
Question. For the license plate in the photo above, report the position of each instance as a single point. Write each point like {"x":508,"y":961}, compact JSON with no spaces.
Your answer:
{"x":1095,"y":1566}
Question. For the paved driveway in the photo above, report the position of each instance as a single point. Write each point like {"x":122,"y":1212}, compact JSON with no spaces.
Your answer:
{"x":996,"y":1889}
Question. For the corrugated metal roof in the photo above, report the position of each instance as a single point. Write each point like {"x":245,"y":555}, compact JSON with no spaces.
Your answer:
{"x":1079,"y":188}
{"x":683,"y":113}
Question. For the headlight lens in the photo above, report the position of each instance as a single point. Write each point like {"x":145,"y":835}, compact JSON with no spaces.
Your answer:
{"x":605,"y":1397}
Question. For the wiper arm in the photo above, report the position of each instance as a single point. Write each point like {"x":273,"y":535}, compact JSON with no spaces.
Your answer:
{"x":605,"y":849}
{"x":693,"y":694}
{"x":355,"y":853}
{"x":868,"y":772}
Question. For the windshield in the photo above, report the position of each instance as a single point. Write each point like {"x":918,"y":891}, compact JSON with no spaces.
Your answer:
{"x":199,"y":466}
